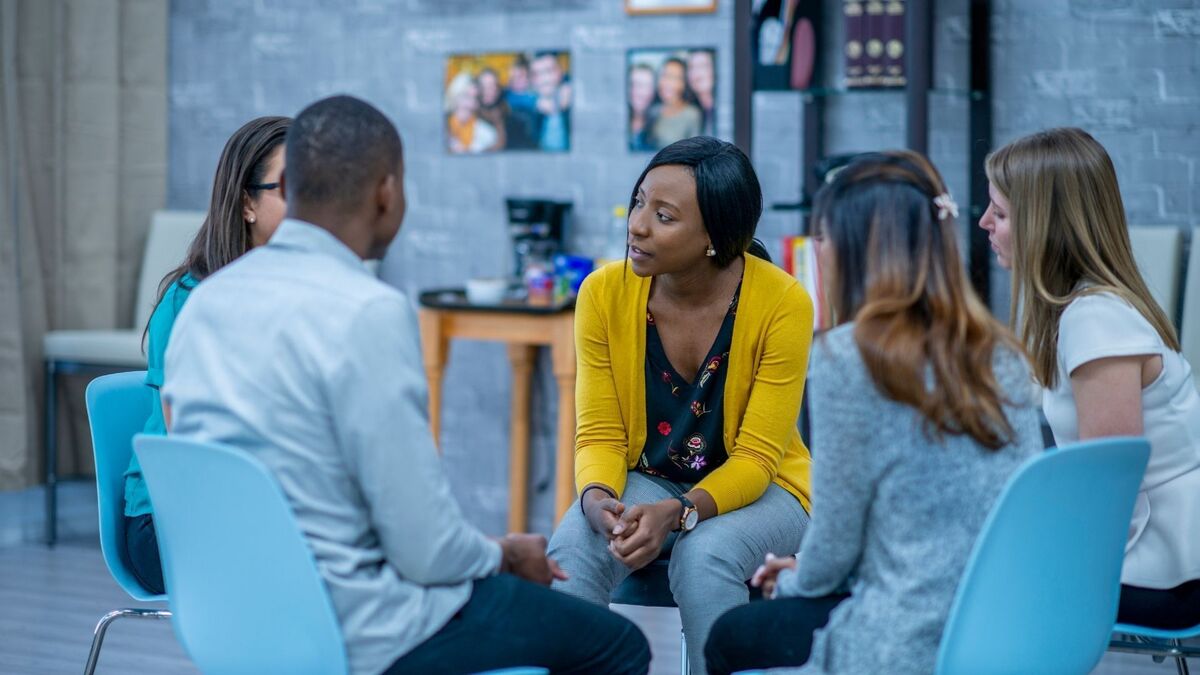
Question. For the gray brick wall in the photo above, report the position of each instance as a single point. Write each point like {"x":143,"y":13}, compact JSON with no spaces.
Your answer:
{"x":1127,"y":70}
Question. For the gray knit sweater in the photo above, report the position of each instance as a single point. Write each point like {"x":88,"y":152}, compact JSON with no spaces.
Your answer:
{"x":895,"y":511}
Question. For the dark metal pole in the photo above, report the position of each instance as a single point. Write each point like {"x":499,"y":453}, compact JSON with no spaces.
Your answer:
{"x":918,"y":69}
{"x":50,"y":443}
{"x":743,"y":78}
{"x":980,"y":143}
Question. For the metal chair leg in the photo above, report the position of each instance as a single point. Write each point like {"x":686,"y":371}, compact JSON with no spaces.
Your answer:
{"x":1180,"y":661}
{"x":102,"y":628}
{"x":683,"y":656}
{"x":50,"y":443}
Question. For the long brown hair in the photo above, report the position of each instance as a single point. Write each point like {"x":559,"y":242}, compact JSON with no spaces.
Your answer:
{"x":225,"y":234}
{"x":1069,"y":237}
{"x":898,"y":276}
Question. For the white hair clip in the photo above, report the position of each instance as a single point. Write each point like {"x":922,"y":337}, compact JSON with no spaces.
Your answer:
{"x":946,"y":206}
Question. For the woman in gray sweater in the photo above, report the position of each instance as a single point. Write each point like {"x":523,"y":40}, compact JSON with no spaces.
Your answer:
{"x":922,"y":406}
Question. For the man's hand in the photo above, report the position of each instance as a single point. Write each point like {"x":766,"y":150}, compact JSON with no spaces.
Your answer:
{"x":602,"y":511}
{"x":640,"y":534}
{"x":767,"y":574}
{"x":524,"y":556}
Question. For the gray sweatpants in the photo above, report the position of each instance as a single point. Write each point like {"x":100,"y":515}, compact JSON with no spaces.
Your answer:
{"x":709,"y":565}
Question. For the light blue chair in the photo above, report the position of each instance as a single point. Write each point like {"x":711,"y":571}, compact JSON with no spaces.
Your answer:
{"x":117,"y":407}
{"x":1156,"y":642}
{"x":1039,"y":593}
{"x":243,"y":585}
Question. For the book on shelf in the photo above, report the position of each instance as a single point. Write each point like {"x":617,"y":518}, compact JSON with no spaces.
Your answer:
{"x":875,"y":43}
{"x":894,"y":44}
{"x":800,"y":260}
{"x":853,"y":14}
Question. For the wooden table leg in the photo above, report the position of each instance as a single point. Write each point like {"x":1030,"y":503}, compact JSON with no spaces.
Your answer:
{"x":563,"y":356}
{"x":435,"y":348}
{"x":522,"y":358}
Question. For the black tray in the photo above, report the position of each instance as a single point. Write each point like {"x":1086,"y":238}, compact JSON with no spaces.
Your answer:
{"x":456,"y":298}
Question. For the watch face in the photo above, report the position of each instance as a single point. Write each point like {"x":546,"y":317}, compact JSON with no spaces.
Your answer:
{"x":690,"y":520}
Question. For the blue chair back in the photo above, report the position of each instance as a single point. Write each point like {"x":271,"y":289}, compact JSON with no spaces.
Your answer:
{"x":243,"y":584}
{"x":1039,"y":593}
{"x":117,"y":407}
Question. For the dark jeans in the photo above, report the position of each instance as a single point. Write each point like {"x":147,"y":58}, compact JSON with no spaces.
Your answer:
{"x":509,"y":622}
{"x":1170,"y":609}
{"x":141,"y":544}
{"x":772,"y":634}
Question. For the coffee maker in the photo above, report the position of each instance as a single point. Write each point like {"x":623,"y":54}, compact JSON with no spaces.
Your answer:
{"x":536,"y":227}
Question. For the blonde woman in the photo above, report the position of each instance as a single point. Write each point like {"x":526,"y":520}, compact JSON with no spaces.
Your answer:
{"x":467,"y":132}
{"x":1105,"y":352}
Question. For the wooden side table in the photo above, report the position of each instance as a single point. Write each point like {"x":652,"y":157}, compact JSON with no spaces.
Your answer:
{"x":443,"y":318}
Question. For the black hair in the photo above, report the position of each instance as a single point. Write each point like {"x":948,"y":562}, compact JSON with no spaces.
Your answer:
{"x":337,"y":149}
{"x":727,"y":192}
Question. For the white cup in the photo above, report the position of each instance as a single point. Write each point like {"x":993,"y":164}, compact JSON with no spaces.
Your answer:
{"x":486,"y":291}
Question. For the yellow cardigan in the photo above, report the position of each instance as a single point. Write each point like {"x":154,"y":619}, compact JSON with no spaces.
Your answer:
{"x":768,"y":362}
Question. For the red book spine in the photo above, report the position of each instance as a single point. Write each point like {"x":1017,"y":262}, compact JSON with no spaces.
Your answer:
{"x":855,"y":51}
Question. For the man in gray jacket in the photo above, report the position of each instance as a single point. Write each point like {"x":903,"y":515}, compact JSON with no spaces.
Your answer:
{"x":298,"y":355}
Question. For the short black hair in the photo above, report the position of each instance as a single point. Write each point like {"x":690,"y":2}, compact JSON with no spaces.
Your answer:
{"x":337,"y":148}
{"x":727,"y":191}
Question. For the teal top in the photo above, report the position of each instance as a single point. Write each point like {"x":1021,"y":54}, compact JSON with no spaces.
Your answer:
{"x":137,"y":499}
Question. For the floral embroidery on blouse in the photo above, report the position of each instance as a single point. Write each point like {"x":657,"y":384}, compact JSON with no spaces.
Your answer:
{"x":685,"y":440}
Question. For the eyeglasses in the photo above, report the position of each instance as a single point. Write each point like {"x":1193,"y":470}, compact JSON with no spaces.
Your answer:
{"x":262,"y":186}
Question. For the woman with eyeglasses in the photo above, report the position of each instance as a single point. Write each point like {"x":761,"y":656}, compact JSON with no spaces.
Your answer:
{"x":247,"y":205}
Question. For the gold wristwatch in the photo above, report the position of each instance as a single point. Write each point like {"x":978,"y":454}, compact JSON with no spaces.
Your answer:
{"x":689,"y":517}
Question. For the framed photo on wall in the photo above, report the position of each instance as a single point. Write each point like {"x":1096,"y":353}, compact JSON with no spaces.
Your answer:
{"x":507,"y":101}
{"x":670,"y":6}
{"x":670,"y":95}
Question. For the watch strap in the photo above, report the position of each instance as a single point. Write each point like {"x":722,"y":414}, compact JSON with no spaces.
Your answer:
{"x":688,"y":507}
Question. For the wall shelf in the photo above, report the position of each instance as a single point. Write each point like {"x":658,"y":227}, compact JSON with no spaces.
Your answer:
{"x":917,"y":94}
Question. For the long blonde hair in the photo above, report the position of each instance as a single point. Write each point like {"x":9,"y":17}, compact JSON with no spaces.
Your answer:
{"x":1069,"y":237}
{"x":898,"y":275}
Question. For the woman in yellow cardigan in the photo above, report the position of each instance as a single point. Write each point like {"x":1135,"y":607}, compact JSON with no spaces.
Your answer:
{"x":692,"y":358}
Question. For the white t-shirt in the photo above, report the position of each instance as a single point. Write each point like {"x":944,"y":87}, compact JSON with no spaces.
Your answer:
{"x":1163,"y":549}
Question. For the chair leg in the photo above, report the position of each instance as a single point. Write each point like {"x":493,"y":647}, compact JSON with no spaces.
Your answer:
{"x":683,"y":656}
{"x":50,"y":443}
{"x":1180,"y":661}
{"x":102,"y":628}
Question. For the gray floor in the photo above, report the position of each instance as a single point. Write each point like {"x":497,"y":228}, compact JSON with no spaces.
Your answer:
{"x":50,"y":600}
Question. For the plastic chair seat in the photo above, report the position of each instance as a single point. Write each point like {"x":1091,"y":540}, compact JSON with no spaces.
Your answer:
{"x":1157,"y":642}
{"x":243,"y":549}
{"x":117,"y":407}
{"x":1039,"y":592}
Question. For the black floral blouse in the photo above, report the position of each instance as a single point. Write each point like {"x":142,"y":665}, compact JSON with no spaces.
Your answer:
{"x":684,"y":441}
